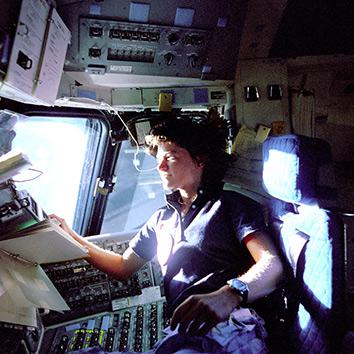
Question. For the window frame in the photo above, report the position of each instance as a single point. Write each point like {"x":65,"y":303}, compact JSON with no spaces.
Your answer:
{"x":89,"y":222}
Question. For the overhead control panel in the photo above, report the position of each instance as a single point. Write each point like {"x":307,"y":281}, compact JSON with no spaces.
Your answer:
{"x":109,"y":46}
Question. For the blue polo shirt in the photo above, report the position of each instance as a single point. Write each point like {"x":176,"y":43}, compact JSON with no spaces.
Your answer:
{"x":206,"y":241}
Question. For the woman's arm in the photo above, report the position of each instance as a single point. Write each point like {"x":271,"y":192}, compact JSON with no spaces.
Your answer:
{"x":199,"y":313}
{"x":117,"y":266}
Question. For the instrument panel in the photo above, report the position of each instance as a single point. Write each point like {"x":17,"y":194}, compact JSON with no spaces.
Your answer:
{"x":106,"y":313}
{"x":88,"y":291}
{"x":110,"y":46}
{"x":136,"y":328}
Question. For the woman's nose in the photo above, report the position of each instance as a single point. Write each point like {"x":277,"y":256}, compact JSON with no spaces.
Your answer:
{"x":162,"y":165}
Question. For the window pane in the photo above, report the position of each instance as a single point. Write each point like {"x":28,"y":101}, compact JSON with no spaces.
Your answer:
{"x":136,"y":194}
{"x":63,"y":149}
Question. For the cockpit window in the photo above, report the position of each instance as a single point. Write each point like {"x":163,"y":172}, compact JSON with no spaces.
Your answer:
{"x":137,"y":193}
{"x":66,"y":152}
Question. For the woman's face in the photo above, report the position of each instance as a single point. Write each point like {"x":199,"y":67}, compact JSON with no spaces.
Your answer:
{"x":177,"y":168}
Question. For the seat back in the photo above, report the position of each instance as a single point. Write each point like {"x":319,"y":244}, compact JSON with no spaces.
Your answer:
{"x":310,"y":239}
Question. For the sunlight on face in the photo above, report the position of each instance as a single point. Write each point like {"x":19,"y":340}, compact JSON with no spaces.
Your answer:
{"x":177,"y":168}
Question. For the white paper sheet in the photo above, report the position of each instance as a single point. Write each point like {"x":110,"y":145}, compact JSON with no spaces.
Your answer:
{"x":24,"y":287}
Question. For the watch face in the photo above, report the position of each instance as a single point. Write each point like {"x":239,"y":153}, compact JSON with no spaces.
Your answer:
{"x":239,"y":286}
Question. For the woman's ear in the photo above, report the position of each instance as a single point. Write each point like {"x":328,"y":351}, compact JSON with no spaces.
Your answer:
{"x":200,"y":161}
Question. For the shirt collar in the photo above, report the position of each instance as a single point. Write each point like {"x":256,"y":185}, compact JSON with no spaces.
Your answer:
{"x":204,"y":193}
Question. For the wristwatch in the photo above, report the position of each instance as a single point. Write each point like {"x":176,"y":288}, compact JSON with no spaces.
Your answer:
{"x":240,"y":288}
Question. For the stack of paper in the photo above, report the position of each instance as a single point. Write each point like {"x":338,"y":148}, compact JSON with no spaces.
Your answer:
{"x":44,"y":242}
{"x":24,"y":286}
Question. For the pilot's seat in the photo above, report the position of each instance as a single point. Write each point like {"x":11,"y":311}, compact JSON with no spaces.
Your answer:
{"x":297,"y":174}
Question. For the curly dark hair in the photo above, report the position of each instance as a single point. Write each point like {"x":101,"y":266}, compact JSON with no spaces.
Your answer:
{"x":204,"y":140}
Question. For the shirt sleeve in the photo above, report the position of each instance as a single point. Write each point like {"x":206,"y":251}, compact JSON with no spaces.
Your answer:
{"x":144,"y":243}
{"x":247,"y":216}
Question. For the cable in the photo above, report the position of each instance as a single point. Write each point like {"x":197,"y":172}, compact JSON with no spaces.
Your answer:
{"x":30,"y":179}
{"x":136,"y":161}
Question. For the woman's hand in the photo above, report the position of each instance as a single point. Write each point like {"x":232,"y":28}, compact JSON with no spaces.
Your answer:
{"x":200,"y":313}
{"x":63,"y":224}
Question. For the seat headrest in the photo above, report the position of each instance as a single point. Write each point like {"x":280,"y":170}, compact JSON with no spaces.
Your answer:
{"x":298,"y":169}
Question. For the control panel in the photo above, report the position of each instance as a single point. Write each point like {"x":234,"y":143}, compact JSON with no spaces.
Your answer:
{"x":104,"y":312}
{"x":17,"y":209}
{"x":108,"y":46}
{"x":18,"y":339}
{"x":88,"y":291}
{"x":135,"y":328}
